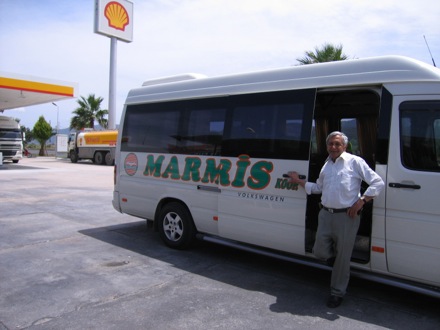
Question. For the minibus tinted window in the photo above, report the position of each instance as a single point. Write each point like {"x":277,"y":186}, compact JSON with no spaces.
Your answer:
{"x":350,"y":128}
{"x":420,"y":135}
{"x":150,"y":129}
{"x":205,"y":124}
{"x":263,"y":125}
{"x":183,"y":127}
{"x":270,"y":125}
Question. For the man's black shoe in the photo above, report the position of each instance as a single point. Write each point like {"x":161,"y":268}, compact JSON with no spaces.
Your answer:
{"x":334,"y":301}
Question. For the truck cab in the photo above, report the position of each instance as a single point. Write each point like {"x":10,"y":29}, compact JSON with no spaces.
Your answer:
{"x":11,"y":139}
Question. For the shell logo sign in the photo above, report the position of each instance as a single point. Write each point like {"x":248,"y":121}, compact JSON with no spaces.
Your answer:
{"x":114,"y":18}
{"x":116,"y":15}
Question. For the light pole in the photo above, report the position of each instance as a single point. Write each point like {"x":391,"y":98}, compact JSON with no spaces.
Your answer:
{"x":56,"y":137}
{"x":58,"y":113}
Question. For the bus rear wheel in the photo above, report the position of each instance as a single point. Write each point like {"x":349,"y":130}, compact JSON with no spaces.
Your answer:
{"x":176,"y":226}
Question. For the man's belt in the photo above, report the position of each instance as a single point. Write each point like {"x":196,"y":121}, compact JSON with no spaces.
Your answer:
{"x":335,"y":210}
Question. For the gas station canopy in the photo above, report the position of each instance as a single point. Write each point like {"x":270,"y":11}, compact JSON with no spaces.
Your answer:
{"x":18,"y":91}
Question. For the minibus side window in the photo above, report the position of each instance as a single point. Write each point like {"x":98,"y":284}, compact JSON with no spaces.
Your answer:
{"x":437,"y":139}
{"x":350,"y":128}
{"x":147,"y":128}
{"x":193,"y":127}
{"x":420,"y":135}
{"x":270,"y":125}
{"x":204,"y":127}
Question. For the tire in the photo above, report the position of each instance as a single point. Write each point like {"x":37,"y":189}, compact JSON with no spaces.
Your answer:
{"x":73,"y":157}
{"x":109,"y":159}
{"x":99,"y":158}
{"x":176,"y":226}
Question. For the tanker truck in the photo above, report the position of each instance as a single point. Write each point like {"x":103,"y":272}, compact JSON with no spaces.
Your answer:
{"x":98,"y":146}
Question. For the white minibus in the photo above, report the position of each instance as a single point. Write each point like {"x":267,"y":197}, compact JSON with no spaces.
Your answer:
{"x":205,"y":158}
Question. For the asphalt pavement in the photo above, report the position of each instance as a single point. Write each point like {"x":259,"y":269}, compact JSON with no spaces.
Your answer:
{"x":68,"y":260}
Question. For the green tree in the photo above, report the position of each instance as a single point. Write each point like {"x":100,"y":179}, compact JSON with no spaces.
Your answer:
{"x":88,"y":112}
{"x":42,"y":132}
{"x":327,"y":53}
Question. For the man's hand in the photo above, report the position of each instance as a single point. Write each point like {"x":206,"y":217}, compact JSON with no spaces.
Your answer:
{"x":356,"y":208}
{"x":294,"y":177}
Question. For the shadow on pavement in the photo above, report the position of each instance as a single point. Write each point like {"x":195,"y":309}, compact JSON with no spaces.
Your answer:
{"x":299,"y":290}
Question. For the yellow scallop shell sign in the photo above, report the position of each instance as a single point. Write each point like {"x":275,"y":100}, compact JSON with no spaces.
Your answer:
{"x":116,"y":15}
{"x":114,"y":18}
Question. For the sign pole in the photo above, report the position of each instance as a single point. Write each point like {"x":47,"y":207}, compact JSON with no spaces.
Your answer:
{"x":114,"y":19}
{"x":112,"y":84}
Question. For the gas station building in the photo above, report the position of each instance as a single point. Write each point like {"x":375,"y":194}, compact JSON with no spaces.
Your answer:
{"x":18,"y":91}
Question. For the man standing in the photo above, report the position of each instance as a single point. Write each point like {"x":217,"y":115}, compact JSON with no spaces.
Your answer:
{"x":339,"y":182}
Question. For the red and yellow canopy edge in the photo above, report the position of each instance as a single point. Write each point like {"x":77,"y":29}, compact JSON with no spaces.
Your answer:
{"x":33,"y":86}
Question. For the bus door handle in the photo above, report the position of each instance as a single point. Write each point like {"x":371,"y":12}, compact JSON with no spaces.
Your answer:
{"x":301,"y":176}
{"x":208,"y":188}
{"x":404,"y":185}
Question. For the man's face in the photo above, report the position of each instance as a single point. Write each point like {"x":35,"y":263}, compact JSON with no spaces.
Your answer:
{"x":335,"y":146}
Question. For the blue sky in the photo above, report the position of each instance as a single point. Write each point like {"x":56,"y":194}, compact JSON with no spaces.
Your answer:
{"x":54,"y":39}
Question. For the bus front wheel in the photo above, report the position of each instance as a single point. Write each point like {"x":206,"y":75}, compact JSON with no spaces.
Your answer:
{"x":176,"y":226}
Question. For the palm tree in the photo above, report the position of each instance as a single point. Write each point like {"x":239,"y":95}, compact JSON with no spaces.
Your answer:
{"x":327,"y":53}
{"x":88,"y":111}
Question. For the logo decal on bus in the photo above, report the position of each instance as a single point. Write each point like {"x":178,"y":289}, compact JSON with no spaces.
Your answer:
{"x":131,"y":164}
{"x":285,"y":184}
{"x":212,"y":170}
{"x":261,"y":197}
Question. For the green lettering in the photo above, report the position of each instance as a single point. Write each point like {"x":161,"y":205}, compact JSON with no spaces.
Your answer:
{"x":153,"y":167}
{"x":218,"y":174}
{"x":242,"y":164}
{"x":192,"y":169}
{"x":285,"y":184}
{"x":172,"y":169}
{"x":260,"y":175}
